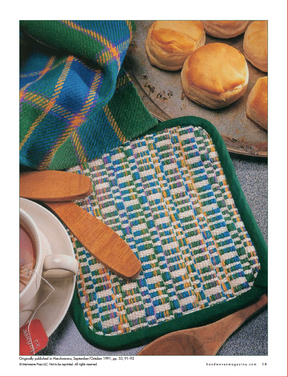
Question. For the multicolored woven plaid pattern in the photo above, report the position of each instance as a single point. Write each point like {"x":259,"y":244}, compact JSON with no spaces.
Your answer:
{"x":76,"y":102}
{"x":166,"y":195}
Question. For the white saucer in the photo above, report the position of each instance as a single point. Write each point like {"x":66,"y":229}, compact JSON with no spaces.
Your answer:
{"x":56,"y":238}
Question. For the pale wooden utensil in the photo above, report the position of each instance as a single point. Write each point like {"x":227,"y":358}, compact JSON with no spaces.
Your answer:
{"x":100,"y":240}
{"x":204,"y":340}
{"x":54,"y":186}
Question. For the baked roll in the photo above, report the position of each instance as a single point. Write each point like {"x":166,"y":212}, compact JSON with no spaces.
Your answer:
{"x":255,"y":44}
{"x":225,"y":29}
{"x":215,"y":75}
{"x":257,"y":103}
{"x":169,"y":43}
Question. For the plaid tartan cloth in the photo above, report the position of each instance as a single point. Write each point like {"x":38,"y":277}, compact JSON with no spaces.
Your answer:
{"x":76,"y":101}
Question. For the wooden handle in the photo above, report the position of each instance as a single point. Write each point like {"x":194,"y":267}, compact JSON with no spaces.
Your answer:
{"x":54,"y":186}
{"x":100,"y":240}
{"x":205,"y":340}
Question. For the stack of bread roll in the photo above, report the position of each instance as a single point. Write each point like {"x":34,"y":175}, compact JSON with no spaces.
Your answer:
{"x":213,"y":75}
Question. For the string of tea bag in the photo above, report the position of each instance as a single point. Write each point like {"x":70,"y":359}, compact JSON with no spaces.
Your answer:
{"x":38,"y":307}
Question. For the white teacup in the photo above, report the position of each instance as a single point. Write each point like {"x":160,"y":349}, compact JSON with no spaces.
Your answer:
{"x":46,"y":265}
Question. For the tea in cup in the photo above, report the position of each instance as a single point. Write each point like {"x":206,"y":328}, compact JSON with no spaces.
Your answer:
{"x":35,"y":262}
{"x":27,"y":256}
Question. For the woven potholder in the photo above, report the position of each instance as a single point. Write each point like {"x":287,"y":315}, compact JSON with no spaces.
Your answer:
{"x":173,"y":196}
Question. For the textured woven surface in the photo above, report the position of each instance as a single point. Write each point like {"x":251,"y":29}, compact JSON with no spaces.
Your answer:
{"x":167,"y":196}
{"x":76,"y":102}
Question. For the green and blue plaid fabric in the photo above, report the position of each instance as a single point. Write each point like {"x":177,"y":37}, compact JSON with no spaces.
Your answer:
{"x":76,"y":101}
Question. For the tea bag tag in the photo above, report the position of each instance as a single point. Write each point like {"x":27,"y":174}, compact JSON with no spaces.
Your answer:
{"x":33,"y":338}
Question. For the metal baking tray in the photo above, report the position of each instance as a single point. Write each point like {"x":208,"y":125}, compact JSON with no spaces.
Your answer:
{"x":162,"y":94}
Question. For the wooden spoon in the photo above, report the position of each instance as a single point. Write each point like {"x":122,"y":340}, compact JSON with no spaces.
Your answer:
{"x":204,"y":340}
{"x":54,"y":186}
{"x":100,"y":240}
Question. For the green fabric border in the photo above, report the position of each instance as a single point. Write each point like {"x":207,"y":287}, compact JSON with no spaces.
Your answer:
{"x":211,"y":314}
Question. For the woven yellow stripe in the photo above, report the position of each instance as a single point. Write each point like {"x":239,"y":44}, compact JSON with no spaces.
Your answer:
{"x":77,"y":120}
{"x":62,"y":111}
{"x":45,"y":163}
{"x":36,"y":98}
{"x":92,"y":93}
{"x":36,"y":73}
{"x":58,"y":87}
{"x":113,"y":123}
{"x":113,"y":50}
{"x":122,"y":81}
{"x":78,"y":146}
{"x":63,"y":76}
{"x":129,"y":24}
{"x":37,"y":121}
{"x":41,"y":101}
{"x":42,"y":73}
{"x":51,"y":102}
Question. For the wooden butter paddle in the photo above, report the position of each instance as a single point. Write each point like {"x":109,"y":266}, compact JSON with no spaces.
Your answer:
{"x":100,"y":240}
{"x":54,"y":186}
